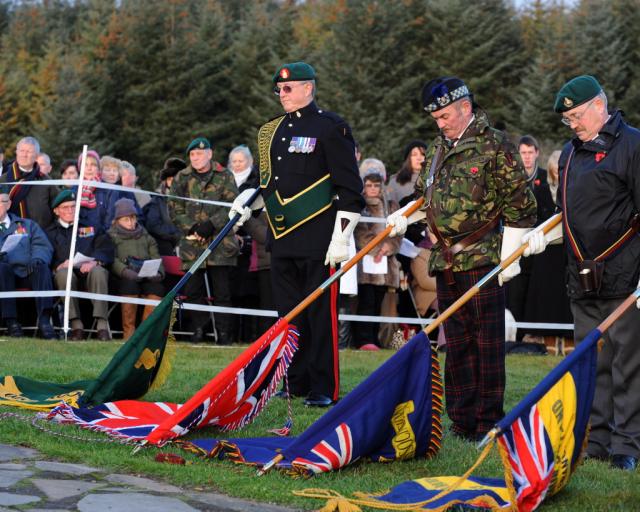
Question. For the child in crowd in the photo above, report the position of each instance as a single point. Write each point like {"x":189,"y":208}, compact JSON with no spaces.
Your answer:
{"x":374,"y":283}
{"x":133,"y":245}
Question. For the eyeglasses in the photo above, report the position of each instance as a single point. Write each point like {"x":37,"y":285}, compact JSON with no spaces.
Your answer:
{"x":575,"y":118}
{"x":285,"y":88}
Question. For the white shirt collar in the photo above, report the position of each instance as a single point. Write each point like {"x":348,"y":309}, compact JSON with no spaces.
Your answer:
{"x":64,"y":224}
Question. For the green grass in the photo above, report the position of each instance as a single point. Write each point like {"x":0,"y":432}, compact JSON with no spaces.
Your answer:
{"x":594,"y":486}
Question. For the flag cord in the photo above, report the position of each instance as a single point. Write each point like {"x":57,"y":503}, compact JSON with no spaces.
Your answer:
{"x":337,"y":502}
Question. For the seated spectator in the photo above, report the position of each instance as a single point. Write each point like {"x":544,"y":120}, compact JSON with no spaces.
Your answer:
{"x":156,"y":212}
{"x":29,"y":202}
{"x":373,"y":286}
{"x":133,"y":245}
{"x":44,"y":162}
{"x":91,"y":276}
{"x":69,"y":171}
{"x":129,"y":179}
{"x":110,"y":173}
{"x":90,"y":212}
{"x":25,"y":265}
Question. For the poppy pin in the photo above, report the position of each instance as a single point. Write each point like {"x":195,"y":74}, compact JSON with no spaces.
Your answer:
{"x":474,"y":170}
{"x":536,"y":183}
{"x":285,"y":73}
{"x":600,"y":156}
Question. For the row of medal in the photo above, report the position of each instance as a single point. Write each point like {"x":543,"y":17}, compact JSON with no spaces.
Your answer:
{"x":302,"y":144}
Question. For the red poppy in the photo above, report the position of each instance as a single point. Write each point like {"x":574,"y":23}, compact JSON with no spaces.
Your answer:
{"x":474,"y":170}
{"x":600,"y":156}
{"x":536,"y":183}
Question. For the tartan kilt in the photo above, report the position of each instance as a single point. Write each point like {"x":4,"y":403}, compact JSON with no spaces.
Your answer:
{"x":475,"y":360}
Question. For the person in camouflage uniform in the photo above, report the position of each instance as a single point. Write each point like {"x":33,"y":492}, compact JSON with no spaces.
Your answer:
{"x":205,"y":179}
{"x":476,"y":184}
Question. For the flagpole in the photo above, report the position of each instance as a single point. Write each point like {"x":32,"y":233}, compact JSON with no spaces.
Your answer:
{"x":72,"y":248}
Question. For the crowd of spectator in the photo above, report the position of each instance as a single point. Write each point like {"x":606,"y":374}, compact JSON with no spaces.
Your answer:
{"x":118,"y":230}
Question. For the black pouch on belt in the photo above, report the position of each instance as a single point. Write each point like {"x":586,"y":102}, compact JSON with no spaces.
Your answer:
{"x":590,"y":272}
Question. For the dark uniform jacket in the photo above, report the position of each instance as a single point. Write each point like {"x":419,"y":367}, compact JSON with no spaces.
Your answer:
{"x":332,"y":153}
{"x":33,"y":245}
{"x":603,"y":194}
{"x":159,"y":225}
{"x":90,"y":241}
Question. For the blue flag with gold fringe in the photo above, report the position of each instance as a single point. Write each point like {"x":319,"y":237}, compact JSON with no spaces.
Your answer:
{"x":394,"y":414}
{"x":540,"y":442}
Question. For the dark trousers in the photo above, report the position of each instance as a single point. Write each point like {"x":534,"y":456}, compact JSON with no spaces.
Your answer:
{"x":369,"y":301}
{"x":615,"y":414}
{"x":474,"y":367}
{"x":196,"y":292}
{"x":38,"y":280}
{"x":315,"y":366}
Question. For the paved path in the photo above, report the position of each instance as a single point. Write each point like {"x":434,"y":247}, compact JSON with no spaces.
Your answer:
{"x":30,"y":483}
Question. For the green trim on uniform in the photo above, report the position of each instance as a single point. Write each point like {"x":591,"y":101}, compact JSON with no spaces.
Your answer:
{"x":265,"y":137}
{"x":285,"y":215}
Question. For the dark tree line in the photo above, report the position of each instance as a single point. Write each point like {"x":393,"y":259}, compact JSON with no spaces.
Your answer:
{"x":140,"y":78}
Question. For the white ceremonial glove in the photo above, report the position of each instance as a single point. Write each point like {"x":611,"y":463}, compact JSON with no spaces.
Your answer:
{"x":338,"y":250}
{"x":511,"y":240}
{"x":400,"y":222}
{"x":538,"y":241}
{"x":238,"y":206}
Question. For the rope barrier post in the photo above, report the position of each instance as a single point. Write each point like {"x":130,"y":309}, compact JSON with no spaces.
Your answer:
{"x":72,"y":249}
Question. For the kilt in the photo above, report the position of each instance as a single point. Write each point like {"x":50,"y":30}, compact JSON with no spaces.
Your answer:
{"x":475,"y":366}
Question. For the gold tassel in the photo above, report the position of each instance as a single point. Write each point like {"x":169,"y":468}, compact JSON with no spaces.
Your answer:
{"x":340,"y":505}
{"x":167,"y":358}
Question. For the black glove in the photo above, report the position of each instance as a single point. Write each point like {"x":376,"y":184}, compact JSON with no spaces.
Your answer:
{"x":156,"y":279}
{"x":130,"y":275}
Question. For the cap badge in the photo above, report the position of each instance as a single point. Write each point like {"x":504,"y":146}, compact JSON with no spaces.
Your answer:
{"x":201,"y":145}
{"x":568,"y":102}
{"x":285,"y":73}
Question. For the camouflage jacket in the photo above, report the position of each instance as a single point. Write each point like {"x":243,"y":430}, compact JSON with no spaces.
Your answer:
{"x":479,"y":178}
{"x":220,"y":186}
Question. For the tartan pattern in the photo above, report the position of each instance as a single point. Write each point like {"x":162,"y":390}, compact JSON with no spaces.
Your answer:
{"x":474,"y":367}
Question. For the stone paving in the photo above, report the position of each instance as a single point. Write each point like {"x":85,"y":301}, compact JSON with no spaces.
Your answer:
{"x":30,"y":483}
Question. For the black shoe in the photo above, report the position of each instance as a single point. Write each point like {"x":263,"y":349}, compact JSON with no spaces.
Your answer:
{"x":198,"y":335}
{"x":14,"y":329}
{"x":471,"y":437}
{"x":46,"y":330}
{"x":76,"y":335}
{"x":318,"y":400}
{"x":283,"y":394}
{"x":595,"y":456}
{"x":624,"y":462}
{"x":103,"y":335}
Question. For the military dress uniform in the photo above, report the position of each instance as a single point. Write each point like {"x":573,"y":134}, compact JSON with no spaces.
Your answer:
{"x":217,"y":184}
{"x":307,"y":158}
{"x":599,"y":193}
{"x":478,"y":184}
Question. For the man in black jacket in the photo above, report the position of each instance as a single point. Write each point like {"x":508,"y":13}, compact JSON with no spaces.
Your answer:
{"x":91,"y":275}
{"x":307,"y":158}
{"x":599,"y":194}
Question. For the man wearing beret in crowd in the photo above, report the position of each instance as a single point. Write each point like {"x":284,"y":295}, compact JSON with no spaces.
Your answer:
{"x":476,"y":200}
{"x":311,"y":189}
{"x":205,"y":178}
{"x":599,"y":194}
{"x":90,"y":276}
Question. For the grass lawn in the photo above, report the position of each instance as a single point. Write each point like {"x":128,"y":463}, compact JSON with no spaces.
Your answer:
{"x":594,"y":486}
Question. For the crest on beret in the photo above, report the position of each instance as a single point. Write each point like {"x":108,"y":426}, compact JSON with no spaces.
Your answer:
{"x":201,"y":145}
{"x":568,"y":102}
{"x":284,"y":73}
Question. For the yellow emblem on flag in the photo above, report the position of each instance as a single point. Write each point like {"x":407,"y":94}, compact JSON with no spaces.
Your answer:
{"x":404,"y":442}
{"x":147,"y":359}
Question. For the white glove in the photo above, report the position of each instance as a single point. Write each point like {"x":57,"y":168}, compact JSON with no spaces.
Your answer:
{"x":238,"y":206}
{"x":511,"y":240}
{"x":538,"y":241}
{"x":400,"y":222}
{"x":338,"y":250}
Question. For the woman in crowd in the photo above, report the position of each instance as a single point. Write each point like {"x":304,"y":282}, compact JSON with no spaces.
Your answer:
{"x":133,"y":245}
{"x":69,"y":171}
{"x":547,"y":300}
{"x":107,"y":198}
{"x":90,"y":212}
{"x":373,"y":283}
{"x":402,"y":183}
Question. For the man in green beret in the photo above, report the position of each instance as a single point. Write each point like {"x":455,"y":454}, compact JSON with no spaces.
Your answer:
{"x":599,"y":194}
{"x":199,"y":222}
{"x":311,"y":189}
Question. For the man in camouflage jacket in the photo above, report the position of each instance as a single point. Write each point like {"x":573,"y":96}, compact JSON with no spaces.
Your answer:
{"x":476,"y":185}
{"x":205,"y":179}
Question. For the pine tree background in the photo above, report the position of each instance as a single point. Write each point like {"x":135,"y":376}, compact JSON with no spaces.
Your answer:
{"x":138,"y":79}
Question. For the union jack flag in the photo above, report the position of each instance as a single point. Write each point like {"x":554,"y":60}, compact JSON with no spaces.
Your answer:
{"x":531,"y":458}
{"x":331,"y":456}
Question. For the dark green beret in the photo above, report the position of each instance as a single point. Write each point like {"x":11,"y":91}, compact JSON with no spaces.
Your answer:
{"x":199,"y":143}
{"x":575,"y":92}
{"x":294,"y":72}
{"x":63,"y":197}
